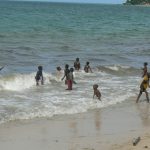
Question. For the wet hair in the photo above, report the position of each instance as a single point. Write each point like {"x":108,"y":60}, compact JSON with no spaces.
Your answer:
{"x":77,"y":59}
{"x":58,"y":68}
{"x":145,"y":64}
{"x":67,"y":66}
{"x":40,"y":67}
{"x":71,"y":69}
{"x":87,"y":63}
{"x":95,"y":86}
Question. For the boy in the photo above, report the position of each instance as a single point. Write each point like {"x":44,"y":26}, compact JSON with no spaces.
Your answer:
{"x":77,"y":64}
{"x":96,"y":92}
{"x":144,"y":85}
{"x":87,"y":67}
{"x":39,"y":76}
{"x":70,"y":79}
{"x":66,"y":73}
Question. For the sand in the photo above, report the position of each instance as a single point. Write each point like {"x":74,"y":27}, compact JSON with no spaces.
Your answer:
{"x":111,"y":128}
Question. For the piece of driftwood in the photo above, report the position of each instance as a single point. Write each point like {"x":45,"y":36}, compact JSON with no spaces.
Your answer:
{"x":136,"y":141}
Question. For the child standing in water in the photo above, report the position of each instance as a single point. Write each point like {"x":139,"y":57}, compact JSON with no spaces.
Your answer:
{"x":144,"y":85}
{"x":77,"y":64}
{"x":87,"y":67}
{"x":39,"y":76}
{"x":66,"y":74}
{"x":59,"y":73}
{"x":70,"y":79}
{"x":96,"y":92}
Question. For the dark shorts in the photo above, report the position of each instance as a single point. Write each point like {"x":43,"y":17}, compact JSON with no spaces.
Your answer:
{"x":142,"y":90}
{"x":37,"y":78}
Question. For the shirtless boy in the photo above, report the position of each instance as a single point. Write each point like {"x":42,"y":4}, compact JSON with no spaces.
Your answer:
{"x":96,"y":92}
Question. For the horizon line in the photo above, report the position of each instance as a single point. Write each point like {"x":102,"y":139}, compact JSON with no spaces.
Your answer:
{"x":62,"y":2}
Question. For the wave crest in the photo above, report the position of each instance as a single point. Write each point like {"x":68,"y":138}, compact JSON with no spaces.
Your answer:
{"x":19,"y":82}
{"x":119,"y":70}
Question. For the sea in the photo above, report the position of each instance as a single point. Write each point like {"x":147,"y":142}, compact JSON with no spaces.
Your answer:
{"x":115,"y":39}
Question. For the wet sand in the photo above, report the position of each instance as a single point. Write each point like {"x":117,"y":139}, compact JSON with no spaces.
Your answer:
{"x":111,"y":128}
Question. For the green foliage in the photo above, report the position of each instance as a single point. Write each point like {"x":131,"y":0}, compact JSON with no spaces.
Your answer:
{"x":137,"y":2}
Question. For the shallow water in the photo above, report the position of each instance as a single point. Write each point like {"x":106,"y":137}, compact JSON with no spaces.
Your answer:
{"x":114,"y":38}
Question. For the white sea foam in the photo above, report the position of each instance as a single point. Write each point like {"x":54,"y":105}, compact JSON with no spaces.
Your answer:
{"x":117,"y":67}
{"x":52,"y":98}
{"x":19,"y":82}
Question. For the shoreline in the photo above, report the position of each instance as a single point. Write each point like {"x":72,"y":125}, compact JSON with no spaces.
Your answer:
{"x":109,"y":128}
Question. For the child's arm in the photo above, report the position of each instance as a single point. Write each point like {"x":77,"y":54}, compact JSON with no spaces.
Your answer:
{"x":63,"y":78}
{"x":148,"y":83}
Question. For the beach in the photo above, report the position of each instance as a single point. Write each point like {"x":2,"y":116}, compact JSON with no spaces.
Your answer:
{"x":109,"y":129}
{"x":48,"y":117}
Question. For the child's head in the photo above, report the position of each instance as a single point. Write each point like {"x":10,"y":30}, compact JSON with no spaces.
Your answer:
{"x":71,"y":69}
{"x":40,"y":67}
{"x":95,"y":86}
{"x":66,"y":66}
{"x":77,"y":59}
{"x":87,"y":63}
{"x":58,"y":68}
{"x":145,"y":64}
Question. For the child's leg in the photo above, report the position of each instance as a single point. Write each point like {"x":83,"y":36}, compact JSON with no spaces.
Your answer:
{"x":69,"y":85}
{"x":140,"y":93}
{"x":67,"y":82}
{"x":37,"y":82}
{"x":147,"y":96}
{"x":42,"y":82}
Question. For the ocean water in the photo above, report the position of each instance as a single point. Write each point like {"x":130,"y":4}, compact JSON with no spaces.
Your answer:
{"x":113,"y":38}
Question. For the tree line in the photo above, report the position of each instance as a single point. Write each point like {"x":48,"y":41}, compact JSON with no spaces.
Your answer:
{"x":137,"y":2}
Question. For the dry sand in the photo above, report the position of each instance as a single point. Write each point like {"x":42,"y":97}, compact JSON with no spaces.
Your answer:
{"x":111,"y":128}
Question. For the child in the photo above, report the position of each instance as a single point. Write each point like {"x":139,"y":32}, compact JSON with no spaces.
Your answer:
{"x":58,"y":68}
{"x":66,"y":73}
{"x":96,"y":92}
{"x":144,"y":85}
{"x":70,"y":79}
{"x":87,"y":67}
{"x":59,"y":72}
{"x":77,"y":64}
{"x":39,"y":76}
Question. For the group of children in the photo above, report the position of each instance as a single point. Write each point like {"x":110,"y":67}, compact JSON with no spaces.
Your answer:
{"x":68,"y":76}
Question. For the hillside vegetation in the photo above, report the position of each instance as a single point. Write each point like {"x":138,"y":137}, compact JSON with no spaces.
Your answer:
{"x":138,"y":2}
